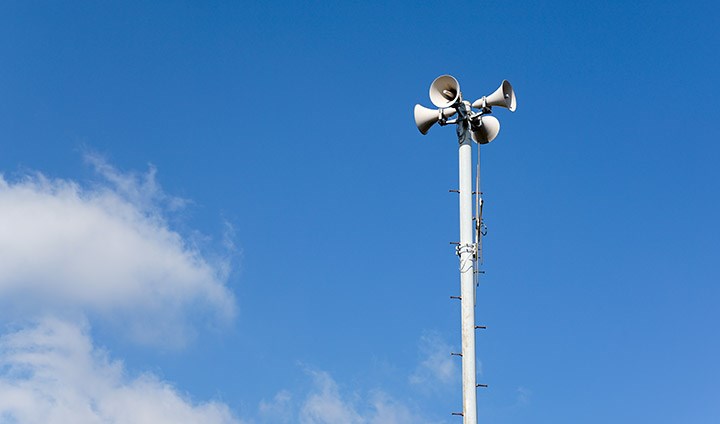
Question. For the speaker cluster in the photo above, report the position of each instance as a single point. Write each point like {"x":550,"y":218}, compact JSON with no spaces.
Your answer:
{"x":445,"y":94}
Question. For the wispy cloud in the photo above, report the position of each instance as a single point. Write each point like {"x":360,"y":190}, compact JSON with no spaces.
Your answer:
{"x":326,"y":402}
{"x":140,"y":189}
{"x":279,"y":410}
{"x":387,"y":410}
{"x":105,"y":251}
{"x":436,"y":366}
{"x":51,"y":373}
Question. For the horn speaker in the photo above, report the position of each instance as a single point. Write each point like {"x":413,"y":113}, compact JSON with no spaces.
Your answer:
{"x":426,"y":118}
{"x":485,"y":130}
{"x":504,"y":96}
{"x":445,"y":91}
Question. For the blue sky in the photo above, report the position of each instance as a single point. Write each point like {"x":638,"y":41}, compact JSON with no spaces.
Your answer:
{"x":223,"y":212}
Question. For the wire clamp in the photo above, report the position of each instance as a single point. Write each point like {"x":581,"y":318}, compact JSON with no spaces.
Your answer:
{"x":465,"y":248}
{"x":466,"y":263}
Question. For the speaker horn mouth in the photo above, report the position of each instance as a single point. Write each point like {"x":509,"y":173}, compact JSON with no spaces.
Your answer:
{"x":445,"y":91}
{"x":426,"y":118}
{"x":504,"y":96}
{"x":509,"y":95}
{"x":485,"y":129}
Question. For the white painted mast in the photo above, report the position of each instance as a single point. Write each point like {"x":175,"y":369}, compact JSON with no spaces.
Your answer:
{"x":466,"y":250}
{"x":481,"y":128}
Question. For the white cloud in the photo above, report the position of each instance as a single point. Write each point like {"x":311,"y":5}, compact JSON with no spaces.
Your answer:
{"x":52,"y":374}
{"x":106,"y":251}
{"x":279,"y":409}
{"x":436,"y":365}
{"x":142,"y":190}
{"x":390,"y":411}
{"x":326,"y":404}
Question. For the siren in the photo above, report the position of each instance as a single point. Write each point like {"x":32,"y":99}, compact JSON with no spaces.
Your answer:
{"x":445,"y":91}
{"x":504,"y":96}
{"x":485,"y":129}
{"x":426,"y":118}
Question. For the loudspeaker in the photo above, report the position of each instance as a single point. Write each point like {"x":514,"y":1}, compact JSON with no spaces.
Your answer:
{"x":504,"y":96}
{"x":426,"y":118}
{"x":486,"y":129}
{"x":445,"y":91}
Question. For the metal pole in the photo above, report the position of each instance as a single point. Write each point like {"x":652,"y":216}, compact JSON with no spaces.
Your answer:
{"x":445,"y":94}
{"x":466,"y":251}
